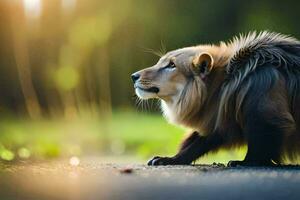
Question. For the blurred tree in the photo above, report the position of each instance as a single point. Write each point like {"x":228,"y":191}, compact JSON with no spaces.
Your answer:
{"x":18,"y":30}
{"x":75,"y":57}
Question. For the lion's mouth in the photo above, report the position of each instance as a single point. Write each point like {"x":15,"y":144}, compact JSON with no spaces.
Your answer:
{"x":151,"y":89}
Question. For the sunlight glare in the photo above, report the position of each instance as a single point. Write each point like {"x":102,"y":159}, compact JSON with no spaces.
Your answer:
{"x":32,"y":8}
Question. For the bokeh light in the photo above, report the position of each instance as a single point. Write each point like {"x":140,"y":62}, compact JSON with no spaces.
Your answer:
{"x":24,"y":153}
{"x":74,"y":161}
{"x":7,"y":155}
{"x":66,"y":78}
{"x":33,"y":8}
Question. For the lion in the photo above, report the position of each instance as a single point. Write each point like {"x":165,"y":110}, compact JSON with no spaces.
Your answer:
{"x":242,"y":92}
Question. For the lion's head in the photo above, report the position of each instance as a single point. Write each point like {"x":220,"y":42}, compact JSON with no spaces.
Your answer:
{"x":179,"y":80}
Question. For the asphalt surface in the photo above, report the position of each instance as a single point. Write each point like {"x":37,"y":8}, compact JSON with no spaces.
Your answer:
{"x":94,"y":180}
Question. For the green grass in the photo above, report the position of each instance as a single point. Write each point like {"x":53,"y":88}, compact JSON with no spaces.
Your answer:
{"x":127,"y":133}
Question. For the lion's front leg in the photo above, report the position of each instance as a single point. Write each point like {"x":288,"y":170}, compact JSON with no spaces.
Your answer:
{"x":191,"y":149}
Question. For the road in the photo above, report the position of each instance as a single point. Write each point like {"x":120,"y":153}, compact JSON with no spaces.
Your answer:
{"x":92,"y":179}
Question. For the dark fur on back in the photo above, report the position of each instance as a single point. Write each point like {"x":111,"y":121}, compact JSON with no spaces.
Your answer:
{"x":270,"y":50}
{"x":263,"y":77}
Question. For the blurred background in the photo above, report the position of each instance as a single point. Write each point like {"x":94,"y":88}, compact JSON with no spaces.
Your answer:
{"x":65,"y":65}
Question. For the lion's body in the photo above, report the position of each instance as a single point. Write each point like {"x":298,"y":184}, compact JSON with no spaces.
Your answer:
{"x":261,"y":82}
{"x":251,"y":95}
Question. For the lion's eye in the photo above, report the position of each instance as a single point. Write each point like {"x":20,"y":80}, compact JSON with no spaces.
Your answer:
{"x":171,"y":65}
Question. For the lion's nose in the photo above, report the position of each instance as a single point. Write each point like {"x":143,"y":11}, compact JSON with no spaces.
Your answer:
{"x":135,"y":77}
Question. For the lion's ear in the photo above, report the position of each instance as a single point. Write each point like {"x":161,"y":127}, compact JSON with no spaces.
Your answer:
{"x":203,"y":64}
